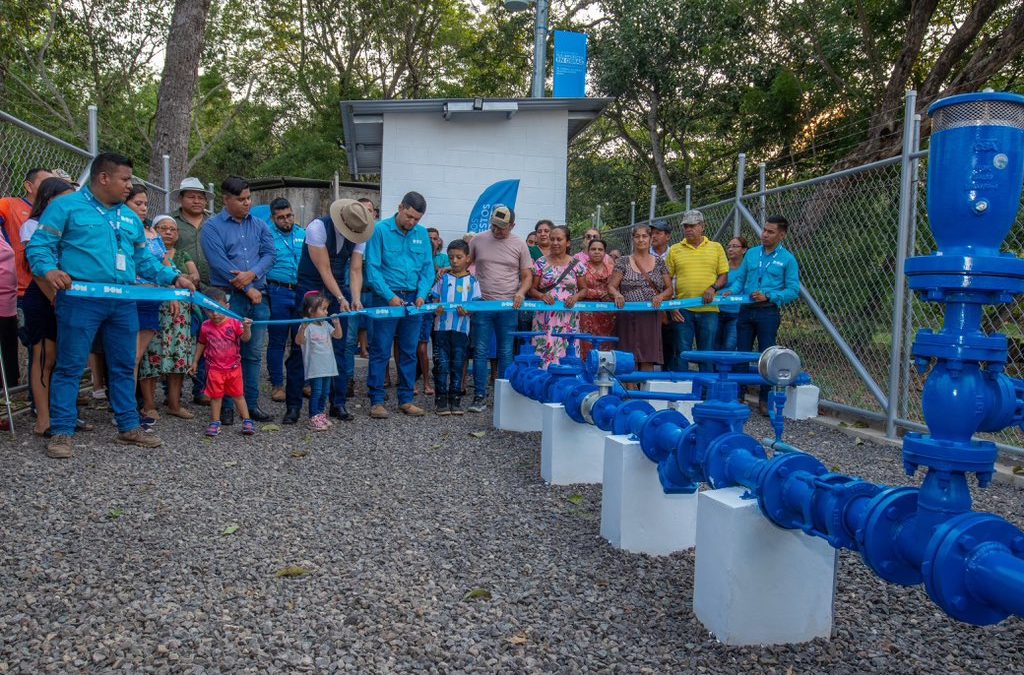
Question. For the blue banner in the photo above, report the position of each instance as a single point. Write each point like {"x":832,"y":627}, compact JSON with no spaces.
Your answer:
{"x":570,"y":64}
{"x":502,"y":192}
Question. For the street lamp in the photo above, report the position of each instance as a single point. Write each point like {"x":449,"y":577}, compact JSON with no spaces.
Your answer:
{"x":540,"y":37}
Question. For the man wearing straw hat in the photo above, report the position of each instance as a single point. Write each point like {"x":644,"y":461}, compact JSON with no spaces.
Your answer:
{"x":194,"y":201}
{"x":334,"y":242}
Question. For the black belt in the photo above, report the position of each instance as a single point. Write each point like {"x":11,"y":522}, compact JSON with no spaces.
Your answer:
{"x":762,"y":305}
{"x":402,"y":290}
{"x":290,"y":287}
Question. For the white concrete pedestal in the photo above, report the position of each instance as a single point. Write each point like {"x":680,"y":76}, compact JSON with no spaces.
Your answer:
{"x":570,"y":452}
{"x":801,"y":402}
{"x":636,"y":515}
{"x":756,"y":583}
{"x":513,"y":411}
{"x":670,"y":387}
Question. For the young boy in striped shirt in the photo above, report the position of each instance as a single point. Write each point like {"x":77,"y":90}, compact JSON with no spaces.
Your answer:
{"x":451,"y":336}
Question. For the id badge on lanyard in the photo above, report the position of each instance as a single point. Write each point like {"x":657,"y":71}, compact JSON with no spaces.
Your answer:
{"x":120,"y":259}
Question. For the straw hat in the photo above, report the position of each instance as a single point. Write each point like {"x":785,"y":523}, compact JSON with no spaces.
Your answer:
{"x":352,"y":220}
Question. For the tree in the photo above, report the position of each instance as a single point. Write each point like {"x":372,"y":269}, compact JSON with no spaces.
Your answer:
{"x":173,"y":124}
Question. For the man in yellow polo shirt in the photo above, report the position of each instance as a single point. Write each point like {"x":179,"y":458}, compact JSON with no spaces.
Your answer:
{"x":700,"y":269}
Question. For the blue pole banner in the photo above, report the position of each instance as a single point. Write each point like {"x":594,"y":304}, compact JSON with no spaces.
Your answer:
{"x":570,"y":64}
{"x":502,"y":192}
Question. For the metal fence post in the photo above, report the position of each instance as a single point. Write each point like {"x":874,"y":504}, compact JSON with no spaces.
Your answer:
{"x":687,"y":197}
{"x":209,"y":186}
{"x":632,"y":213}
{"x":762,"y":179}
{"x":906,"y":185}
{"x":597,"y":222}
{"x":336,"y":184}
{"x":908,"y":321}
{"x":740,"y":170}
{"x":654,"y":201}
{"x":94,"y":133}
{"x":167,"y":183}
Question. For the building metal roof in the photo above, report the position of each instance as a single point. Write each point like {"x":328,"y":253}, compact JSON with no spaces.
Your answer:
{"x":363,"y":121}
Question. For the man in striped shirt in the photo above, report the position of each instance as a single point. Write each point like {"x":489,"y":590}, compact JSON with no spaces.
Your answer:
{"x":451,"y":326}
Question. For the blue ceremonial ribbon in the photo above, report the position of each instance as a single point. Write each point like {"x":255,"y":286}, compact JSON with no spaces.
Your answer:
{"x":83,"y":289}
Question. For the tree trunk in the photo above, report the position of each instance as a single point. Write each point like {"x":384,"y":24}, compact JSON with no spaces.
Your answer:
{"x":177,"y":88}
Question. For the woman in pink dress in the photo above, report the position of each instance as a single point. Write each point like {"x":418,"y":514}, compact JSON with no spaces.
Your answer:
{"x":599,"y":268}
{"x":556,"y":276}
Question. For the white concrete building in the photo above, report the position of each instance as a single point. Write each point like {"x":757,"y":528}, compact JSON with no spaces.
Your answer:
{"x":452,"y":150}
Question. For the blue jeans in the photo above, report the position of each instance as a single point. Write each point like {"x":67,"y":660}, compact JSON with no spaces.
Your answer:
{"x":450,"y":348}
{"x":252,"y":351}
{"x":726,"y":340}
{"x":281,"y":300}
{"x":78,"y":320}
{"x":761,"y":324}
{"x":319,"y":388}
{"x":296,"y":371}
{"x":407,"y":330}
{"x":199,"y":380}
{"x":351,"y":345}
{"x":485,"y":325}
{"x":699,"y":326}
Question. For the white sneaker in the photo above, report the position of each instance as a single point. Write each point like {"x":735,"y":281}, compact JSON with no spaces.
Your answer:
{"x":99,"y":394}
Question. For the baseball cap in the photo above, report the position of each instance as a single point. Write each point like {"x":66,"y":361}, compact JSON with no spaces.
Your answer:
{"x":502,"y":216}
{"x":661,"y":225}
{"x":692,"y":217}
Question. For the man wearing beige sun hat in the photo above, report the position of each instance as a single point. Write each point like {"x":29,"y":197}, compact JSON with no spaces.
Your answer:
{"x":334,"y":243}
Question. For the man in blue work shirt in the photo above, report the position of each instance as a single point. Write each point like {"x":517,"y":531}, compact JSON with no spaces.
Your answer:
{"x":769,"y":274}
{"x":91,"y":236}
{"x":240,"y":250}
{"x":281,"y":280}
{"x":400,"y":270}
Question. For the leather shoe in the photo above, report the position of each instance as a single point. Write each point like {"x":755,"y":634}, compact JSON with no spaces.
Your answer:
{"x":341,"y":413}
{"x":291,"y":416}
{"x":258,"y":415}
{"x":227,"y":417}
{"x":411,"y":410}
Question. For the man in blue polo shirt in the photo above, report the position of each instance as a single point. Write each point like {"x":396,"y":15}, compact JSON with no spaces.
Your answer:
{"x":240,"y":251}
{"x":91,"y":236}
{"x":769,"y":274}
{"x":400,"y":270}
{"x":281,"y":280}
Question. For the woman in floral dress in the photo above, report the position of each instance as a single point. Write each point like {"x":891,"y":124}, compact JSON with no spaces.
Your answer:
{"x":557,"y":276}
{"x":599,"y":268}
{"x":170,"y":352}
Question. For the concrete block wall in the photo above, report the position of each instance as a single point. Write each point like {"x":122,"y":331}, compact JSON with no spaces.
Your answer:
{"x":452,"y":161}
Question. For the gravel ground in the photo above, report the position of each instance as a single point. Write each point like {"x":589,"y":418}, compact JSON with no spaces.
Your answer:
{"x":417,"y":546}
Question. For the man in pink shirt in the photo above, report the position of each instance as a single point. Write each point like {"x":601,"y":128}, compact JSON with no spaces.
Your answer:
{"x":503,"y":266}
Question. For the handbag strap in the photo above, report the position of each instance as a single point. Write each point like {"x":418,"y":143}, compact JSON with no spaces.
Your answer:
{"x":569,"y":268}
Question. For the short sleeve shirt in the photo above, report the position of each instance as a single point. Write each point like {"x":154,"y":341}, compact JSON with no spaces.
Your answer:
{"x":222,"y":344}
{"x":316,"y":236}
{"x":499,"y":264}
{"x":14,"y":211}
{"x":696,"y":268}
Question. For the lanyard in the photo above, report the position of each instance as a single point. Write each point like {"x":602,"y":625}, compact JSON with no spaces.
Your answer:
{"x":115,"y":222}
{"x":762,"y":265}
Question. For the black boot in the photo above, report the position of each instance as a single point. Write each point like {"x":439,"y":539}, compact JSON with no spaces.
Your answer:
{"x":341,"y":412}
{"x":291,"y":416}
{"x":441,"y":403}
{"x":455,"y":405}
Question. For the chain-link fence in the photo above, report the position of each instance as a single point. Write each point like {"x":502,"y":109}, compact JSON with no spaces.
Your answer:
{"x":844,"y":233}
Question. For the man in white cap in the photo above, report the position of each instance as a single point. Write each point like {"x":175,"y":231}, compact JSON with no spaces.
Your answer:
{"x":193,"y":201}
{"x":334,"y":243}
{"x":503,"y":269}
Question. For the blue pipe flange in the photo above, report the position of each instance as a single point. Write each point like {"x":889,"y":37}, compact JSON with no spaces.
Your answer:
{"x":630,"y":416}
{"x":534,"y":384}
{"x":879,"y":535}
{"x":774,"y":487}
{"x":603,"y":411}
{"x":679,"y":472}
{"x":834,"y":506}
{"x":719,"y":473}
{"x":574,"y":401}
{"x":660,"y":433}
{"x":958,"y":549}
{"x":560,"y":387}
